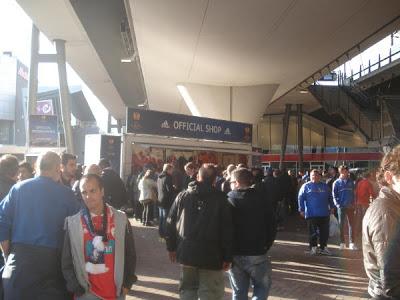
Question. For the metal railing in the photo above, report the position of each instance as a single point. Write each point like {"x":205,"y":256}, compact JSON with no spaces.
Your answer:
{"x":336,"y":101}
{"x":343,"y":79}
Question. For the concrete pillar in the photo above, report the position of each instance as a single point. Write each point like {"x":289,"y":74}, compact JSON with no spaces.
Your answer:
{"x":33,"y":79}
{"x":285,"y":133}
{"x":64,"y":95}
{"x":300,"y":134}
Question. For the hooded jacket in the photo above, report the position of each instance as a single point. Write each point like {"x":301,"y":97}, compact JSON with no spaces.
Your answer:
{"x":114,"y":188}
{"x":381,"y":245}
{"x":166,"y":191}
{"x":253,"y":222}
{"x":199,"y":227}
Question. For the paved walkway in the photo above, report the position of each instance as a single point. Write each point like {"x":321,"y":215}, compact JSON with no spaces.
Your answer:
{"x":296,"y":275}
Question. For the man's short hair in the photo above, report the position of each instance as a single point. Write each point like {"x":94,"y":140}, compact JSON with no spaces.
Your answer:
{"x":343,"y":167}
{"x":243,"y":176}
{"x":104,"y":163}
{"x":316,"y":171}
{"x":26,"y":165}
{"x":48,"y":161}
{"x":167,"y":167}
{"x":241,"y":166}
{"x":95,"y":177}
{"x":92,"y":169}
{"x":189,"y":166}
{"x":8,"y":165}
{"x":207,"y":173}
{"x":66,"y":157}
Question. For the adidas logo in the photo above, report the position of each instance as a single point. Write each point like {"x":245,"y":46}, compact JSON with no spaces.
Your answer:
{"x":227,"y":131}
{"x":165,"y":124}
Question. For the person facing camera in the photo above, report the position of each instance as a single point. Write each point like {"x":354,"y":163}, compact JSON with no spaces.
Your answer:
{"x":98,"y":258}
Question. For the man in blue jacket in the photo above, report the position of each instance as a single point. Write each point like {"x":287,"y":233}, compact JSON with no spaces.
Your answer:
{"x":315,"y":205}
{"x":343,"y":197}
{"x":31,"y":234}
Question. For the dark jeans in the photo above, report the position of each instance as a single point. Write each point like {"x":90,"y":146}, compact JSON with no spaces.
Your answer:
{"x":343,"y":214}
{"x":147,"y":214}
{"x":34,"y":273}
{"x":163,"y":214}
{"x":318,"y":227}
{"x":360,"y":213}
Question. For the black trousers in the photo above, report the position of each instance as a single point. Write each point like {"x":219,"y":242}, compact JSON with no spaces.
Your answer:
{"x":147,"y":215}
{"x":318,"y":227}
{"x":34,"y":273}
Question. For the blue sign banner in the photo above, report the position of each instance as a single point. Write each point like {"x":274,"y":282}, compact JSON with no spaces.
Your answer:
{"x":43,"y":131}
{"x":176,"y":125}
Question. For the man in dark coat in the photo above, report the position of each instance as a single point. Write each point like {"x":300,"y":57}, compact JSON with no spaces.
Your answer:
{"x":114,"y":187}
{"x":166,"y":196}
{"x":199,"y":237}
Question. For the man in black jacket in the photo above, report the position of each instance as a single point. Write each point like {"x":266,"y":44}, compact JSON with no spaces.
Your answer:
{"x":254,"y":233}
{"x":199,"y":237}
{"x":114,"y":187}
{"x":166,"y":196}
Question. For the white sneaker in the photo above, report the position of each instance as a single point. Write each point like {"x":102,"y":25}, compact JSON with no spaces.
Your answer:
{"x":342,"y":246}
{"x":325,"y":251}
{"x":353,"y":246}
{"x":314,"y":251}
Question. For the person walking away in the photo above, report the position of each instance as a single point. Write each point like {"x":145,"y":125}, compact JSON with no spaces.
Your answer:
{"x":343,"y":197}
{"x":254,"y":233}
{"x":315,"y":205}
{"x":98,"y":257}
{"x":199,"y":237}
{"x":166,"y":196}
{"x":31,"y":234}
{"x":114,"y":188}
{"x":381,"y":234}
{"x":148,"y":196}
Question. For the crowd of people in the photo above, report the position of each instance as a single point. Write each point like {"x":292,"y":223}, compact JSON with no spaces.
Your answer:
{"x":68,"y":224}
{"x":61,"y":233}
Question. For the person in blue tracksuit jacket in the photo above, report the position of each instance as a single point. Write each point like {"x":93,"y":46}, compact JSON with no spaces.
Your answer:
{"x":343,"y":197}
{"x":315,"y":205}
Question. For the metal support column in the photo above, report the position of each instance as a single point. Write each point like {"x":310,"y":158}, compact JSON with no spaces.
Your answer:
{"x":109,"y":125}
{"x":381,"y":132}
{"x":64,"y":95}
{"x":33,"y":79}
{"x":300,"y":134}
{"x":285,"y":133}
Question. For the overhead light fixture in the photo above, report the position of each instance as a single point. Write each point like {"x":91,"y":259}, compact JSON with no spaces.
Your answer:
{"x":188,"y":100}
{"x":303,"y":92}
{"x":126,"y":60}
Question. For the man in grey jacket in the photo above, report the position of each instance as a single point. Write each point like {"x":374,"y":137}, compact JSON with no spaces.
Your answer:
{"x":99,"y":258}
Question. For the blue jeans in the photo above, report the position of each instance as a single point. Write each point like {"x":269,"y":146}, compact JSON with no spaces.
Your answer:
{"x":163,"y":214}
{"x":343,"y":214}
{"x":250,"y":269}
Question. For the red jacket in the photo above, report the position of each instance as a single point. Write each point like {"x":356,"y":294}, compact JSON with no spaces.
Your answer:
{"x":364,"y":191}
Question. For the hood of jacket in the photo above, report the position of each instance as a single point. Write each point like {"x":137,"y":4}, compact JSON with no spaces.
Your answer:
{"x":240,"y":193}
{"x":196,"y":187}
